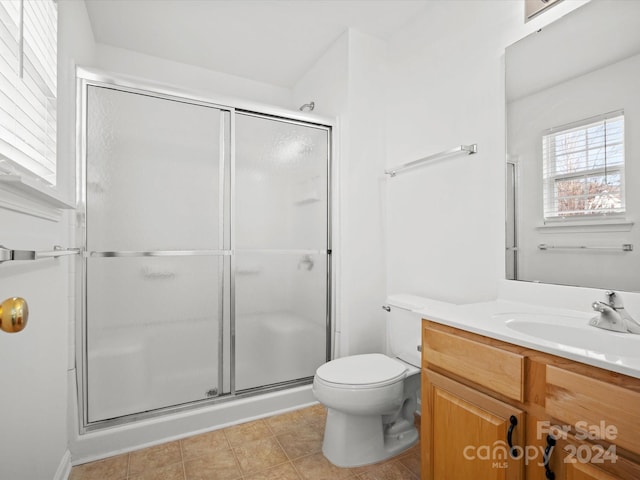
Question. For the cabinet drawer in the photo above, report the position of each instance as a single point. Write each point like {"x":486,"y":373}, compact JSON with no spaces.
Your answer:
{"x":571,"y":398}
{"x":490,"y":367}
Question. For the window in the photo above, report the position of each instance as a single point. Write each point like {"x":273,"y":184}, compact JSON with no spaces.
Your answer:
{"x":28,"y":71}
{"x":583,"y":168}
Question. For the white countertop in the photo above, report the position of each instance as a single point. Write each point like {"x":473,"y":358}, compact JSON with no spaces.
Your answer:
{"x":562,"y":332}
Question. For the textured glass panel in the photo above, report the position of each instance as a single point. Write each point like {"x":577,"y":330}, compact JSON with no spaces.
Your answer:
{"x":280,"y":317}
{"x":281,"y":206}
{"x":152,"y":334}
{"x":152,"y":173}
{"x":281,"y":185}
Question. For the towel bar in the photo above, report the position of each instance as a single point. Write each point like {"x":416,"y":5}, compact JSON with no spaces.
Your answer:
{"x":9,"y":255}
{"x":468,"y":149}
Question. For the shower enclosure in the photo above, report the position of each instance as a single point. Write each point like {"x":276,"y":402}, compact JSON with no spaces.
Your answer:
{"x":206,"y":273}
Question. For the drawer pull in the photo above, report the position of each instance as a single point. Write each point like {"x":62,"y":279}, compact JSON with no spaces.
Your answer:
{"x":551,"y":442}
{"x":514,"y":421}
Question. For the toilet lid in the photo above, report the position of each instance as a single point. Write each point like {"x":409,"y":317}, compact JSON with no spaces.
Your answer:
{"x":372,"y":368}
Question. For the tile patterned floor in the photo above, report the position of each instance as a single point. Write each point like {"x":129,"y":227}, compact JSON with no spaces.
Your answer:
{"x":283,"y":447}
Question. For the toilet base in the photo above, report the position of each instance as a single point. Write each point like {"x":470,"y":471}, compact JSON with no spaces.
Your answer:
{"x":356,"y":440}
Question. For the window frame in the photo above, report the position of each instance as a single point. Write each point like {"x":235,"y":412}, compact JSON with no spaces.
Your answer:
{"x":550,"y":174}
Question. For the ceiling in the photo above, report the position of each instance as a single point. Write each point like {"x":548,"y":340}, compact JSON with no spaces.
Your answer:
{"x":271,"y":41}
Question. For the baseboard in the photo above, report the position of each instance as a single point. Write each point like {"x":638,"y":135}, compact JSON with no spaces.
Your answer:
{"x":64,"y":469}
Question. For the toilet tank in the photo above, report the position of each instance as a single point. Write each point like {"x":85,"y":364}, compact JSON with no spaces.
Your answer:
{"x":404,"y":333}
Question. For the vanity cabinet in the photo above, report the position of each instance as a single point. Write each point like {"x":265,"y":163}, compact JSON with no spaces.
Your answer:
{"x":468,"y":432}
{"x":482,"y":397}
{"x":581,"y":471}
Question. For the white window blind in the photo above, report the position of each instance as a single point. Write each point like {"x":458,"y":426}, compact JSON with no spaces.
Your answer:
{"x":28,"y":71}
{"x":583,"y":168}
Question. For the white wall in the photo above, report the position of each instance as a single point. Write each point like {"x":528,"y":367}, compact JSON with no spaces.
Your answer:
{"x":446,"y":221}
{"x":348,"y":82}
{"x":217,"y":85}
{"x":439,"y":230}
{"x":363,"y":198}
{"x":327,"y":82}
{"x":33,"y":404}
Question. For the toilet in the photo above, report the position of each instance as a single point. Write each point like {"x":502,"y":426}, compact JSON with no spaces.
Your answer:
{"x":371,"y":399}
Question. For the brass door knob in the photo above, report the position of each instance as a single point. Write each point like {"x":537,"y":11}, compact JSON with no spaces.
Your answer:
{"x":14,"y":313}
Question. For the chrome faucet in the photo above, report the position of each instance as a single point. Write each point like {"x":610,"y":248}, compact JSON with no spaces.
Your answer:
{"x":613,"y":315}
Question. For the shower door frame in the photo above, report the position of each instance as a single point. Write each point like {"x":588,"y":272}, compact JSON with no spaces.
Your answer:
{"x":86,"y":77}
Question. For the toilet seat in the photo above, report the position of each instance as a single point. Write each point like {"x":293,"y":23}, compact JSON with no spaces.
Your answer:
{"x":371,"y":370}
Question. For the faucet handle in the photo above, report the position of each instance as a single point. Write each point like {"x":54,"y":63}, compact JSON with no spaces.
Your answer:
{"x":613,"y":300}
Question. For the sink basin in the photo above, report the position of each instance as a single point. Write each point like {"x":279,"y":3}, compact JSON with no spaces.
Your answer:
{"x":572,"y":333}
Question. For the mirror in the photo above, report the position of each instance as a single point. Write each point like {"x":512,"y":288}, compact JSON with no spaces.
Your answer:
{"x":573,"y":150}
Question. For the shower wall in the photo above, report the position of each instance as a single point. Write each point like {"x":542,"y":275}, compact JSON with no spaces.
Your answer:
{"x":206,"y":272}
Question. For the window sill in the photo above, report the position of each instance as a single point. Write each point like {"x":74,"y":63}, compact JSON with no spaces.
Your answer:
{"x":586,"y":226}
{"x":25,"y":195}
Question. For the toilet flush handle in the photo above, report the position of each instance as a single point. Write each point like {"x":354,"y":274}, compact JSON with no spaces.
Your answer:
{"x":386,"y":307}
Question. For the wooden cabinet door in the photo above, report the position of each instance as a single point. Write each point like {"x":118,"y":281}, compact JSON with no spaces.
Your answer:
{"x":465,"y":433}
{"x":584,"y":460}
{"x":582,"y":471}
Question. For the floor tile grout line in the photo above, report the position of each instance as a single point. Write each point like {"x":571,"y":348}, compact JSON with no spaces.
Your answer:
{"x":235,"y":457}
{"x":286,"y":426}
{"x":292,"y":460}
{"x":253,"y":472}
{"x":403,"y":466}
{"x":269,"y":427}
{"x":184,"y":468}
{"x":296,"y":470}
{"x":267,"y":468}
{"x":158,"y":467}
{"x":399,"y":460}
{"x":283,"y":449}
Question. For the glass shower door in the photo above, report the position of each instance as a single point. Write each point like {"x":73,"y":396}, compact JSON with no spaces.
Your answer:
{"x":281,"y":256}
{"x":155,"y":251}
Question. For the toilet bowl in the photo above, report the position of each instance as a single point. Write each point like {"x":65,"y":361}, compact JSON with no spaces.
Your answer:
{"x":370,"y":416}
{"x":371,"y":399}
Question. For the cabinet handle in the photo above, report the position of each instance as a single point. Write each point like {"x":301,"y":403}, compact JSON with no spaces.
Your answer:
{"x":514,"y":421}
{"x":551,"y":442}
